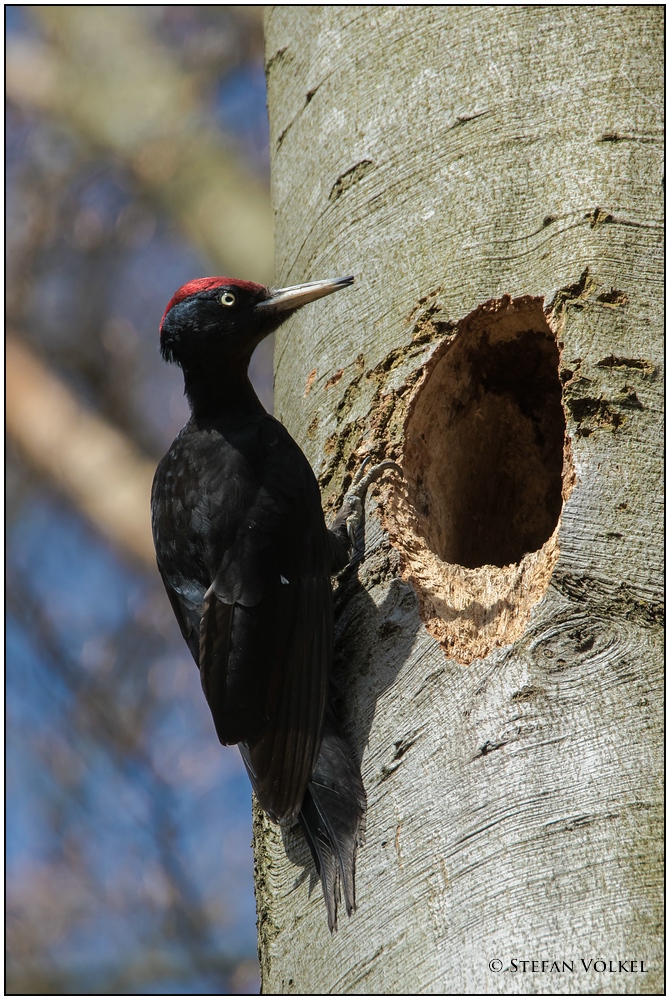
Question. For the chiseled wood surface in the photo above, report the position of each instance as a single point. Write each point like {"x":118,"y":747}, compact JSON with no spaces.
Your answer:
{"x":450,"y":156}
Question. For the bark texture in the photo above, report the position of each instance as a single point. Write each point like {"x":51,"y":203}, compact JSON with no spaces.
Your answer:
{"x":493,"y":178}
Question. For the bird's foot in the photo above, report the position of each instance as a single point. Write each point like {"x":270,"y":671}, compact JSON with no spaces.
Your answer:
{"x":354,"y":500}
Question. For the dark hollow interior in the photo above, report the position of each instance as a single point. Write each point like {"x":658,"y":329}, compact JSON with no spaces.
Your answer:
{"x":484,"y":446}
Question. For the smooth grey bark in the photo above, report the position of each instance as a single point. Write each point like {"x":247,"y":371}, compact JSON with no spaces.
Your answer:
{"x":450,"y":157}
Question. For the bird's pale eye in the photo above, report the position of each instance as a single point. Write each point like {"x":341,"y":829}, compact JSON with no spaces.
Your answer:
{"x":228,"y":299}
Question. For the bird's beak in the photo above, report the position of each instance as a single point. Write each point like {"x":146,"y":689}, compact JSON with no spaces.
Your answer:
{"x":295,"y":296}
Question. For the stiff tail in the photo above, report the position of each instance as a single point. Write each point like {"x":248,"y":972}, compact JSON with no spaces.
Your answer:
{"x":331,"y":818}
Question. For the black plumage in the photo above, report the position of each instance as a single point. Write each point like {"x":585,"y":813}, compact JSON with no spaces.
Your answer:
{"x":246,"y":558}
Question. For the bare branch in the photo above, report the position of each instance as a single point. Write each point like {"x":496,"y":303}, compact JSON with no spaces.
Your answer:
{"x":103,"y":58}
{"x":93,"y":463}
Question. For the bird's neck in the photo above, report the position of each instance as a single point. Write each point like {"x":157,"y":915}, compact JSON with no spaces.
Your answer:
{"x":215,"y":389}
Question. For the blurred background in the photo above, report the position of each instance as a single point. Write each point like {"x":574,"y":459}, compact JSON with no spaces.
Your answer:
{"x":137,"y":159}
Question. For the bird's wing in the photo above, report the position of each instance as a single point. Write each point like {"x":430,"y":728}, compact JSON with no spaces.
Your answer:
{"x":265,"y":640}
{"x":186,"y":613}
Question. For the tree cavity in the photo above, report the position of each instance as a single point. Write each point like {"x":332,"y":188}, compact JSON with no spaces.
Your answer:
{"x":487,"y":469}
{"x":484,"y":443}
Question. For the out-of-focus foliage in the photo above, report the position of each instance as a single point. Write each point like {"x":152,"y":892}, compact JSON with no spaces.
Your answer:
{"x":129,"y":867}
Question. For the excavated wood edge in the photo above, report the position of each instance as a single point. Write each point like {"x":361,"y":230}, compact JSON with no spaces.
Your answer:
{"x":471,"y":611}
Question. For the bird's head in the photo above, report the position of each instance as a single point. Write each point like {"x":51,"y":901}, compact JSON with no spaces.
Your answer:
{"x":212,"y":318}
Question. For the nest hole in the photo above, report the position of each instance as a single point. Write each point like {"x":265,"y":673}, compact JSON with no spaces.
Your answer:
{"x":485,"y":439}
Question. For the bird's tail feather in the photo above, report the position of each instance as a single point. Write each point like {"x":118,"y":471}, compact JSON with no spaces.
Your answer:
{"x":332,"y":816}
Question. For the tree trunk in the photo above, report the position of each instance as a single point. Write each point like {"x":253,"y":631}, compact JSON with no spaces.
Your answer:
{"x":493,"y":178}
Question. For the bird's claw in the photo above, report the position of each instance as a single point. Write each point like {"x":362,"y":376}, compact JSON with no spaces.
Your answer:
{"x":363,"y":480}
{"x":355,"y":500}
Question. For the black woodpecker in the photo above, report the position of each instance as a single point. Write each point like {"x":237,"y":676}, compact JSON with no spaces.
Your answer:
{"x":246,"y":558}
